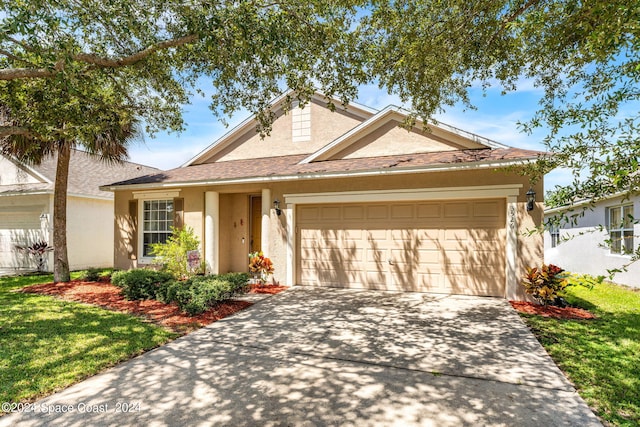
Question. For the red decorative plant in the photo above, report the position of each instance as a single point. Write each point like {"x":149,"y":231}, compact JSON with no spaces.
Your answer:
{"x":545,"y":284}
{"x":260,"y":266}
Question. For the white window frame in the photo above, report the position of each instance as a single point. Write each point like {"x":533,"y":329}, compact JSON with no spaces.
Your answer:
{"x":150,"y":196}
{"x":554,"y":232}
{"x":621,"y":228}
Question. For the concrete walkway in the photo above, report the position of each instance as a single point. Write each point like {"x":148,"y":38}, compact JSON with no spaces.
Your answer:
{"x":334,"y":357}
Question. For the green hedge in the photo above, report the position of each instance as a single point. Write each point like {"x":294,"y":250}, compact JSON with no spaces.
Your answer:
{"x":198,"y":294}
{"x":194,"y":296}
{"x":141,"y":283}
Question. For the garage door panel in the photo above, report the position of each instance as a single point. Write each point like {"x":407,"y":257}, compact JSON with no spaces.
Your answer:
{"x":429,"y":210}
{"x":404,"y":211}
{"x":18,"y":227}
{"x":377,"y":212}
{"x":417,"y":257}
{"x":453,"y":246}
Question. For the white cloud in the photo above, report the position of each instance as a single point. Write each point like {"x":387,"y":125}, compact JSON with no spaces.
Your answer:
{"x":371,"y":96}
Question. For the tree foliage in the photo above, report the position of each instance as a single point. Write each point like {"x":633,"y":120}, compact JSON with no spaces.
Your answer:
{"x":583,"y":56}
{"x":67,"y":65}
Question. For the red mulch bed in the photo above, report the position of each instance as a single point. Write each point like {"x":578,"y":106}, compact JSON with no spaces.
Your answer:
{"x":106,"y":295}
{"x":266,"y":289}
{"x":551,"y":311}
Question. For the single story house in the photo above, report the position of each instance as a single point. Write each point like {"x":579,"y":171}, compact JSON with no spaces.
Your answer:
{"x":346,"y":198}
{"x":598,"y":239}
{"x":26,"y":209}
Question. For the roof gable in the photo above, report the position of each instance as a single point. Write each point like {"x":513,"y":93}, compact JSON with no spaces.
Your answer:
{"x":13,"y":172}
{"x":287,"y":136}
{"x":86,"y":174}
{"x":382,"y":135}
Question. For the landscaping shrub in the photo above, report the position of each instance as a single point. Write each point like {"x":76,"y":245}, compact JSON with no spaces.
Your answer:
{"x":240,"y":281}
{"x":546,"y":284}
{"x":141,"y":283}
{"x":194,"y":296}
{"x":91,"y":274}
{"x":172,"y":255}
{"x":198,"y":294}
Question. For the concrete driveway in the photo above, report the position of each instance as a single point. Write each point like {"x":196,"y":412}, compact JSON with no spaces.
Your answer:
{"x":313,"y":356}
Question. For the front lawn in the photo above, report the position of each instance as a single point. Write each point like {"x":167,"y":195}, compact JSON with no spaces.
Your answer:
{"x":602,"y":356}
{"x":47,"y":344}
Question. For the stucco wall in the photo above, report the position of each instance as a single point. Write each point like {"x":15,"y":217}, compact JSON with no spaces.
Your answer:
{"x":582,"y":248}
{"x":234,"y":209}
{"x":325,"y":127}
{"x":384,"y":142}
{"x":89,"y":233}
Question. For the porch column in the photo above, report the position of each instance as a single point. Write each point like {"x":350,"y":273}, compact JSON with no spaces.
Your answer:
{"x":290,"y":213}
{"x":511,"y":249}
{"x":212,"y":231}
{"x":266,"y":214}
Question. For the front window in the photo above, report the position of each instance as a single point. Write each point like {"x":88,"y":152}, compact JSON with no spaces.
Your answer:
{"x":157,"y":222}
{"x":621,"y":229}
{"x":554,"y":231}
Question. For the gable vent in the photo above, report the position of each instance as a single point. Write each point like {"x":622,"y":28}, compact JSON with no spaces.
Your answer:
{"x":300,"y":123}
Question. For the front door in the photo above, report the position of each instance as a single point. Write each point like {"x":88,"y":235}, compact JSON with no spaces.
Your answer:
{"x":256,"y":223}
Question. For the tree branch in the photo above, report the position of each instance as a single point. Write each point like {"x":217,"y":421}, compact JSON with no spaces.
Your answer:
{"x":102,"y":62}
{"x":15,"y":130}
{"x":95,"y":60}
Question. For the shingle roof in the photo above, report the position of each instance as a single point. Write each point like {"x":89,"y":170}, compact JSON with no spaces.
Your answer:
{"x":86,"y":174}
{"x":289,"y":165}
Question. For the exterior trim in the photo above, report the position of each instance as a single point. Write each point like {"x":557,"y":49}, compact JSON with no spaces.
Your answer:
{"x":148,"y":195}
{"x":157,"y":194}
{"x":292,"y":229}
{"x":439,"y":193}
{"x":510,"y":192}
{"x":343,"y":174}
{"x":511,"y":249}
{"x":584,"y":203}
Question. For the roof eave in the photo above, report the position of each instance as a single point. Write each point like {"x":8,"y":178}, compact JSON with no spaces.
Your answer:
{"x":441,"y":167}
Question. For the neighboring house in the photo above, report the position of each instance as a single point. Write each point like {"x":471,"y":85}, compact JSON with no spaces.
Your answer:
{"x":345,"y":199}
{"x":26,"y":209}
{"x":601,"y":238}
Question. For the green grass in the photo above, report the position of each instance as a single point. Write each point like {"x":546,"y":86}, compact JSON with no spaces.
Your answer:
{"x":602,"y":356}
{"x":47,"y":344}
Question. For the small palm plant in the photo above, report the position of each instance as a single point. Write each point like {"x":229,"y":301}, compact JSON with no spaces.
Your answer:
{"x":38,"y":250}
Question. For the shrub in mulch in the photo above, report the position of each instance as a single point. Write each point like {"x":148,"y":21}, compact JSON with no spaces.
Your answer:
{"x":574,"y":313}
{"x":110,"y":297}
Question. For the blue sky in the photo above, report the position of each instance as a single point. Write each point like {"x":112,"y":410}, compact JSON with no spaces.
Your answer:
{"x":496,"y":118}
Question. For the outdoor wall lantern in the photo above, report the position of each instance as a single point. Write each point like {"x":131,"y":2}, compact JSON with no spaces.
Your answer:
{"x":276,"y":206}
{"x":531,"y":199}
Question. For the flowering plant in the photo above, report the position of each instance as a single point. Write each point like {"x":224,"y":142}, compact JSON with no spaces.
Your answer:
{"x":260,"y":266}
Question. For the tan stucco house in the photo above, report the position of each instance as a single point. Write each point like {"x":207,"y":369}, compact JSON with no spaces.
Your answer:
{"x":26,"y":209}
{"x":346,"y":199}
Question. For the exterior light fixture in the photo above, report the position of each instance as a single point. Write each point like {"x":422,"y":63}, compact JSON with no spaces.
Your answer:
{"x":531,"y":199}
{"x":276,"y":206}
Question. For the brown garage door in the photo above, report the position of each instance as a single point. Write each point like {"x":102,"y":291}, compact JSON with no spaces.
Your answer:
{"x":452,"y":247}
